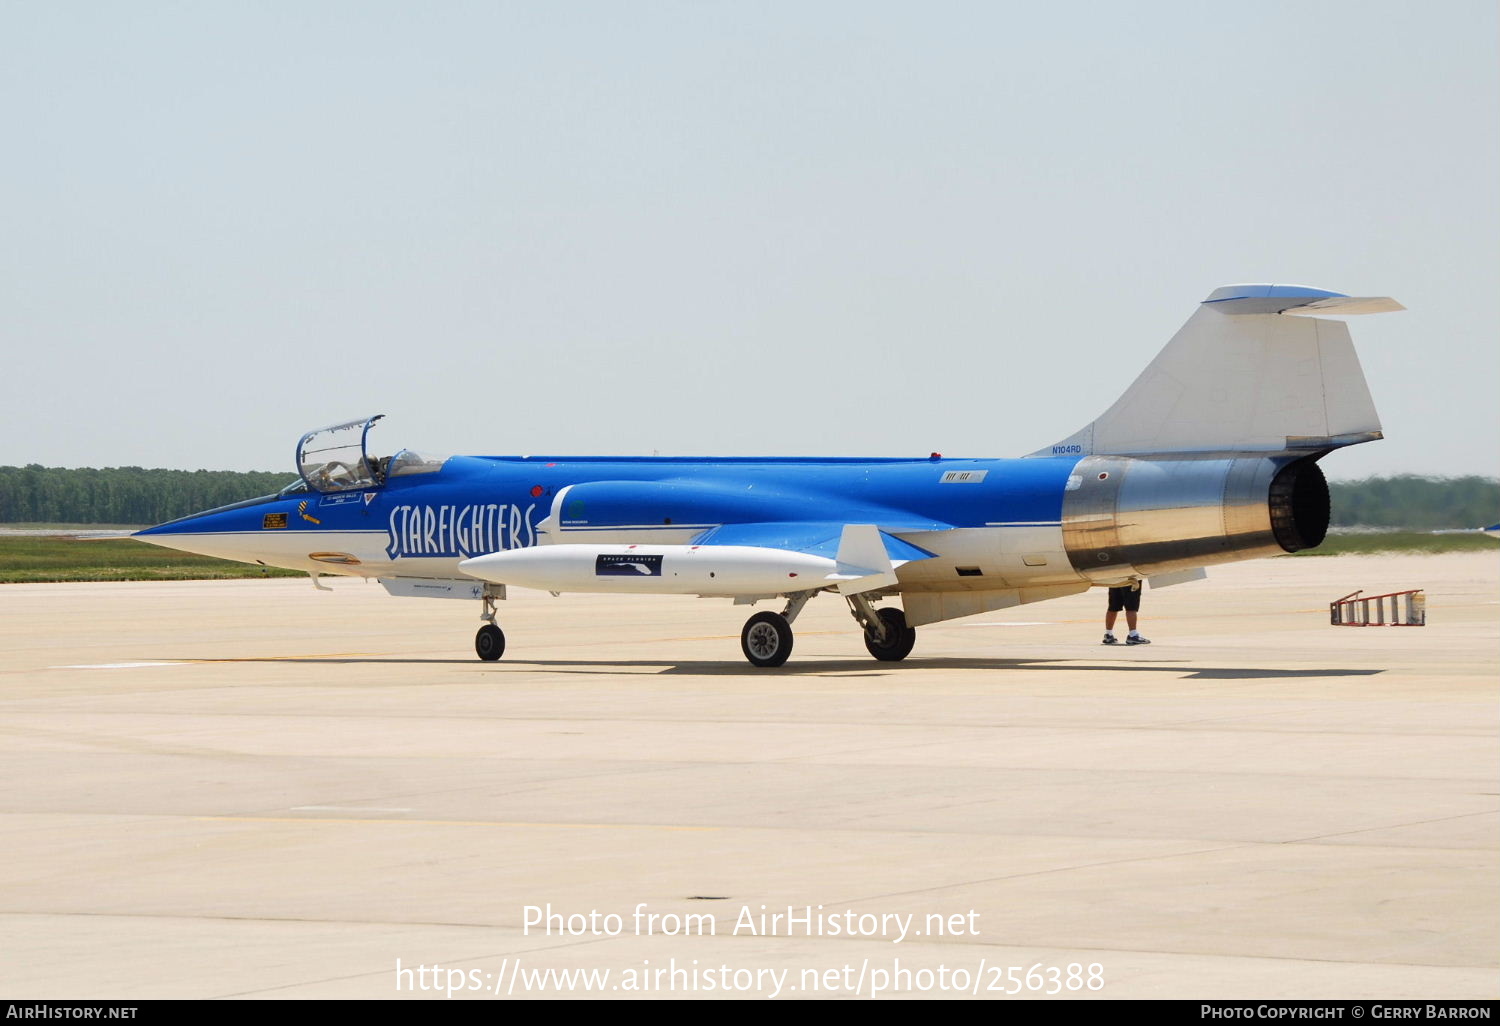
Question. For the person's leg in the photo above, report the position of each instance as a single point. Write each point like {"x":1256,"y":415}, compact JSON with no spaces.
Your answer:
{"x":1131,"y":618}
{"x":1110,"y":613}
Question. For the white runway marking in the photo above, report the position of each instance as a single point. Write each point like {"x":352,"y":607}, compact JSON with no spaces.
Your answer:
{"x":1012,"y":623}
{"x":111,"y":666}
{"x":342,"y":808}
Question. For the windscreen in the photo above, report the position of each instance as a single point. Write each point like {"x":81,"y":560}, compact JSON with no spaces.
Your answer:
{"x":334,"y":459}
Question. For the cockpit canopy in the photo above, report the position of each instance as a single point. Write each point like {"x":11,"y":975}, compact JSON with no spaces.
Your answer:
{"x":337,"y":459}
{"x":334,"y":458}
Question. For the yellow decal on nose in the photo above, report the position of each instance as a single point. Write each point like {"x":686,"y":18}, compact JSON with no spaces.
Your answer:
{"x":302,"y":512}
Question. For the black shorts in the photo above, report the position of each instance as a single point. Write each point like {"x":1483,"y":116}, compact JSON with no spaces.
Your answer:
{"x":1126,"y":598}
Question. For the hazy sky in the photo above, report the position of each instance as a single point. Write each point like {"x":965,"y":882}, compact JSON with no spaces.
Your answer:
{"x":742,"y":228}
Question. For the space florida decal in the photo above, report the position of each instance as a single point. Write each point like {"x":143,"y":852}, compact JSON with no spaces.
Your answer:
{"x":627,"y":565}
{"x":458,"y":530}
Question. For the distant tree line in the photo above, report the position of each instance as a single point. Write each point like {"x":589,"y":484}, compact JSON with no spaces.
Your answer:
{"x":123,"y":495}
{"x":132,"y":495}
{"x":1421,"y":503}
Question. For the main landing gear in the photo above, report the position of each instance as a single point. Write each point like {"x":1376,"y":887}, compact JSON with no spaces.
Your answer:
{"x":897,"y":643}
{"x":767,"y":637}
{"x":887,"y":637}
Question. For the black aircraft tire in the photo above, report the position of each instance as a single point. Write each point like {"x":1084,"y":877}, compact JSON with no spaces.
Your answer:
{"x":489,"y":643}
{"x":766,"y":639}
{"x":899,"y":637}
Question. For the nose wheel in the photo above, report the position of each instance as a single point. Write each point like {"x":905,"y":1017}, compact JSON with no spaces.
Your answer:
{"x":489,"y":643}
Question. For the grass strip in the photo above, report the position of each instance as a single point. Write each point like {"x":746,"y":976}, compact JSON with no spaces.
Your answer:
{"x":36,"y":560}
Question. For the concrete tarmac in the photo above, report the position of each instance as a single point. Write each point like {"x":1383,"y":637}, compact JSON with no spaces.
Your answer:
{"x":252,"y":789}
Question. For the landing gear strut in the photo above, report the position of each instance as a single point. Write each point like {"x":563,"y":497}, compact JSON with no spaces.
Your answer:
{"x":489,"y":643}
{"x":887,"y":637}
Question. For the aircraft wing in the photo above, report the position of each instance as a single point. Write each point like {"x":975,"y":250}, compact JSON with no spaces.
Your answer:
{"x":814,"y":537}
{"x":866,"y":557}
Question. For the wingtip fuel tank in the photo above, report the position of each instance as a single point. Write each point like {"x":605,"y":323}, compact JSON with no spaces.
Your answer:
{"x":714,"y":570}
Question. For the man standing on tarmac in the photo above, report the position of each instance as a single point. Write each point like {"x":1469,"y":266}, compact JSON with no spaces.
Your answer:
{"x":1128,"y":598}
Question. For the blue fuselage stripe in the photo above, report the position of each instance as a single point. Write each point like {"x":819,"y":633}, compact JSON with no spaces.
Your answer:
{"x":479,"y":504}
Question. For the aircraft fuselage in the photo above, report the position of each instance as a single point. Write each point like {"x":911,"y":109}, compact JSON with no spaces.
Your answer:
{"x":988,"y":524}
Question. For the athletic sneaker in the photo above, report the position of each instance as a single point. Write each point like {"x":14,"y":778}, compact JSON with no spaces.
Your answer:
{"x":1110,"y":639}
{"x":1136,"y":639}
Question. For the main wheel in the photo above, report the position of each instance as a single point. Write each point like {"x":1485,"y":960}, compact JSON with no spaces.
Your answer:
{"x":899,"y":638}
{"x":766,"y":639}
{"x":489,"y":643}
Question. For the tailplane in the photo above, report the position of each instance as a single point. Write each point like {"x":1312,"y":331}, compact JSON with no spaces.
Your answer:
{"x":1256,"y":368}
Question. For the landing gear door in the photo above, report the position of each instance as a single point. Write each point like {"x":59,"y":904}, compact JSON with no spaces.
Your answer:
{"x":334,"y":459}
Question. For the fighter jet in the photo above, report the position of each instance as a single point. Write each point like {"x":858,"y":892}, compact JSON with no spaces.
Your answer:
{"x":1210,"y":456}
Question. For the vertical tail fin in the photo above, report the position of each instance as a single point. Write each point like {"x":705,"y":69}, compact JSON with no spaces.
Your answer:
{"x":1254,"y":369}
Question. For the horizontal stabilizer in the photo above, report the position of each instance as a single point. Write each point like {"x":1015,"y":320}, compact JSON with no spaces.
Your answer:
{"x":1296,"y":300}
{"x":1347,"y":306}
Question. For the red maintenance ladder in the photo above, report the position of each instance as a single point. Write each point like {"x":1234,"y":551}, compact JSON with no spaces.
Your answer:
{"x":1354,"y":610}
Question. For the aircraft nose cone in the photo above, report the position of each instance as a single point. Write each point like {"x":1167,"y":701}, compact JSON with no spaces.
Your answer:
{"x":164,"y":534}
{"x":525,"y":568}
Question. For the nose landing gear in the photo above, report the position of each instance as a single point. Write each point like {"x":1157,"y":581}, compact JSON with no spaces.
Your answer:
{"x":489,"y":643}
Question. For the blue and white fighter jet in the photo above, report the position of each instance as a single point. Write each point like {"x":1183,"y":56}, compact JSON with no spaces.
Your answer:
{"x":1210,"y":456}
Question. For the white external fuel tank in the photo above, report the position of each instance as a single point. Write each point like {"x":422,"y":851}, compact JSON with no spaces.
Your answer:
{"x":716,"y":570}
